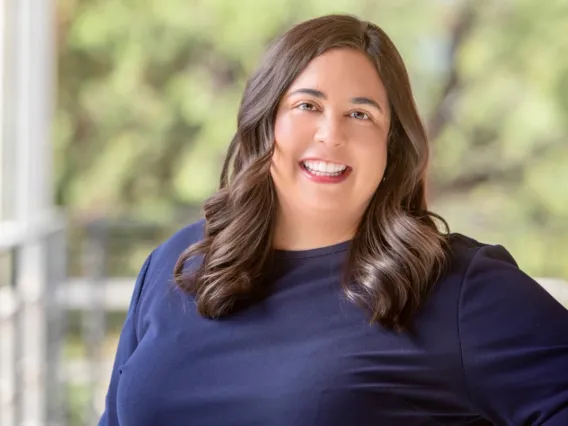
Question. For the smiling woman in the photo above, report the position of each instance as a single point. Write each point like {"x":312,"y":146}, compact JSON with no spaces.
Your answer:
{"x":318,"y":290}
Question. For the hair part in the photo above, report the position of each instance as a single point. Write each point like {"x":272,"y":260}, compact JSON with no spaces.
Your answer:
{"x":398,"y":252}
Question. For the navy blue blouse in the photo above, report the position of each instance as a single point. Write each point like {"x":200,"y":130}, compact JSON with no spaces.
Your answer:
{"x":489,"y":346}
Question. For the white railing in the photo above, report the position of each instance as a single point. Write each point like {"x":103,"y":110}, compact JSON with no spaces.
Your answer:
{"x":31,"y":336}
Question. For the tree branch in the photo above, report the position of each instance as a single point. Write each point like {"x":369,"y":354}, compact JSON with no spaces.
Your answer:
{"x":500,"y":173}
{"x":442,"y":111}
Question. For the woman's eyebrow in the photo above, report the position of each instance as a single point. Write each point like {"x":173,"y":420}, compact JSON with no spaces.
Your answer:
{"x":362,"y":100}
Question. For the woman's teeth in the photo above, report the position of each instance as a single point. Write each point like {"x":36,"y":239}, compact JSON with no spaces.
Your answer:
{"x":322,"y":168}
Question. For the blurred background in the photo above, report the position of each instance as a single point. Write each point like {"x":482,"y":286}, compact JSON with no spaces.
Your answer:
{"x":114,"y":120}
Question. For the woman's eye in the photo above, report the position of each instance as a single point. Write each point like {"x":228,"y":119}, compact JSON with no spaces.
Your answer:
{"x":306,"y":106}
{"x":359,"y":115}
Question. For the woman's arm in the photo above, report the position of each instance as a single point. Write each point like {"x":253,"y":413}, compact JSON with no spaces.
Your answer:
{"x":514,"y":340}
{"x":126,"y":346}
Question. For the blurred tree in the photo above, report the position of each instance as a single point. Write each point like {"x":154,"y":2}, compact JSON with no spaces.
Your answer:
{"x":500,"y":131}
{"x":148,"y":95}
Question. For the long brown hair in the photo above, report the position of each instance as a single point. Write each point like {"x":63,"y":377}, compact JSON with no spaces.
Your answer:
{"x":397,"y":253}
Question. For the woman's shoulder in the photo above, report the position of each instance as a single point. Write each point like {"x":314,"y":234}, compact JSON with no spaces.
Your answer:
{"x":160,"y":263}
{"x":488,"y":275}
{"x":476,"y":271}
{"x":156,"y":277}
{"x":466,"y":252}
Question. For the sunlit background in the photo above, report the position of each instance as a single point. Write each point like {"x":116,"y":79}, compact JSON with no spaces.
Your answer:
{"x":115,"y":116}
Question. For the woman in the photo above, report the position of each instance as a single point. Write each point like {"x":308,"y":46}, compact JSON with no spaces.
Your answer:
{"x":318,"y":290}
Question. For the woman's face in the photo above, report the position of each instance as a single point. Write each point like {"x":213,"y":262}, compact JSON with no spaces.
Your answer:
{"x":331,"y":134}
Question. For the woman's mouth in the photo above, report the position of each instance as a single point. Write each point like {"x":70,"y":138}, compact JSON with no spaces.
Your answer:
{"x":324,"y":171}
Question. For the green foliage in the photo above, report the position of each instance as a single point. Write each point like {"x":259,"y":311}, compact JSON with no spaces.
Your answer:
{"x":149,"y":90}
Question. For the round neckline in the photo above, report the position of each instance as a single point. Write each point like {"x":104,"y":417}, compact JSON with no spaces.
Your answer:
{"x":314,"y":252}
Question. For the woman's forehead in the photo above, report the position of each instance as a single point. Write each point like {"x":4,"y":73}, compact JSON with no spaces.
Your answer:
{"x":341,"y":72}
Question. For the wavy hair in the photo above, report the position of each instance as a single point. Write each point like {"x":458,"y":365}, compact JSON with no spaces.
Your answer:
{"x":398,"y":251}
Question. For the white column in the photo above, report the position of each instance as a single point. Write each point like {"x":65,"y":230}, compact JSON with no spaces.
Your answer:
{"x":35,"y":82}
{"x":33,"y":100}
{"x":7,"y":299}
{"x":3,"y":29}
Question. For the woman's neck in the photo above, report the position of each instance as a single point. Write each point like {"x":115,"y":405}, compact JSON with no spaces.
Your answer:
{"x":308,"y":231}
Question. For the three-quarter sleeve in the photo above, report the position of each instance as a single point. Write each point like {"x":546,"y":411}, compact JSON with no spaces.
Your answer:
{"x":126,"y":345}
{"x":514,"y":342}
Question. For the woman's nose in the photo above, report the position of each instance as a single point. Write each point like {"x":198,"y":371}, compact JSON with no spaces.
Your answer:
{"x":331,"y":131}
